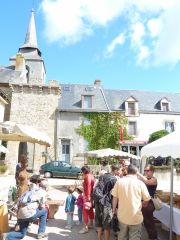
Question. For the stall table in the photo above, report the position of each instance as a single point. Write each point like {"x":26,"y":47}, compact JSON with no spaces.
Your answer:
{"x":54,"y":206}
{"x":163,"y":215}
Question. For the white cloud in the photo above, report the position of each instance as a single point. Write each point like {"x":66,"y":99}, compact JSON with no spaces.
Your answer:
{"x":69,"y":21}
{"x":119,"y":40}
{"x":154,"y":26}
{"x":64,"y":23}
{"x":153,"y":5}
{"x":144,"y":53}
{"x":150,"y":24}
{"x":138,"y":32}
{"x":167,"y":49}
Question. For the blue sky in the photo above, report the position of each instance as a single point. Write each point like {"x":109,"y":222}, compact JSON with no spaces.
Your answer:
{"x":127,"y":44}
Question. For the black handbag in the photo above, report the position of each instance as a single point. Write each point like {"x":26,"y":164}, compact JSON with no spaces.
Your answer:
{"x":115,"y":223}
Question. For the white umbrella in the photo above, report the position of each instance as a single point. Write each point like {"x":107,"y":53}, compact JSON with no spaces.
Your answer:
{"x":11,"y":131}
{"x":107,"y":152}
{"x":3,"y":149}
{"x":168,"y":146}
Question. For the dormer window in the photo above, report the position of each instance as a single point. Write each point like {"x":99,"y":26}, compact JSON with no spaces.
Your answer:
{"x":87,"y":101}
{"x":165,"y":105}
{"x":131,"y":107}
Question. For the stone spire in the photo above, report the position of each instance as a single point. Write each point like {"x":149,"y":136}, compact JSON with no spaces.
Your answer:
{"x":28,"y":60}
{"x":31,"y":39}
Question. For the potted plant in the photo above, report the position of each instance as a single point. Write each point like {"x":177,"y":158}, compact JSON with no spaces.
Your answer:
{"x":3,"y":169}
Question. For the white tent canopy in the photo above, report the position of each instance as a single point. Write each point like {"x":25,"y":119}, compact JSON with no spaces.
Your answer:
{"x":164,"y":147}
{"x":11,"y":131}
{"x":168,"y":146}
{"x":107,"y":152}
{"x":3,"y":149}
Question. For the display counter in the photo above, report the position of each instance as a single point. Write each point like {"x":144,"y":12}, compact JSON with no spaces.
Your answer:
{"x":163,"y":215}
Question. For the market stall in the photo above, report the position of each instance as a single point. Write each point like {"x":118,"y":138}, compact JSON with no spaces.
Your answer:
{"x":163,"y":216}
{"x":168,"y":146}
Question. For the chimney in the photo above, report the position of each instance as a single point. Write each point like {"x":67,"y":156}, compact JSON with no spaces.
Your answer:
{"x":97,"y":83}
{"x":20,"y":62}
{"x":53,"y":83}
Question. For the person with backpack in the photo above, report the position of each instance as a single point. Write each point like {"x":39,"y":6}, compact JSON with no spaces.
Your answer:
{"x":103,"y":201}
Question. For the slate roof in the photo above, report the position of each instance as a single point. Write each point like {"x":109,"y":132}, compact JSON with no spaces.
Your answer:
{"x":8,"y":75}
{"x":148,"y":101}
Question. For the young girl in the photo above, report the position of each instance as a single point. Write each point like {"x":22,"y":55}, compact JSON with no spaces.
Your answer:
{"x":69,"y":207}
{"x":79,"y":203}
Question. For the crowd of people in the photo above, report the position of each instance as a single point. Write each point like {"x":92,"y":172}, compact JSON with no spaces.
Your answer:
{"x":119,"y":201}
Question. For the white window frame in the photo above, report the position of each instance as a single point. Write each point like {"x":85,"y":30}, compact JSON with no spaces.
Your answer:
{"x":134,"y":133}
{"x":131,"y":100}
{"x":170,"y":128}
{"x":165,"y":101}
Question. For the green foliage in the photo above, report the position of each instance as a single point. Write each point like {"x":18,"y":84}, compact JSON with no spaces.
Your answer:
{"x":95,"y":161}
{"x":156,"y":135}
{"x":177,"y":162}
{"x":3,"y":168}
{"x":102,"y":130}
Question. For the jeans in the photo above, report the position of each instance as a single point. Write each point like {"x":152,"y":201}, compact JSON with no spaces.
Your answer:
{"x":70,"y":219}
{"x":130,"y":232}
{"x":80,"y":214}
{"x":24,"y":223}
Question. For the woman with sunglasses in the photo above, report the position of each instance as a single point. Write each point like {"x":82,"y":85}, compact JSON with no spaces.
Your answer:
{"x":151,"y":183}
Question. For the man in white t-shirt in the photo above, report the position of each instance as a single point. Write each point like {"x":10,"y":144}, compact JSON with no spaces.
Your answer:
{"x":128,"y":194}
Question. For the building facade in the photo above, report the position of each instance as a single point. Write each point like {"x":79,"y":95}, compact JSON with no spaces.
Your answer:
{"x":32,"y":102}
{"x":146,"y":112}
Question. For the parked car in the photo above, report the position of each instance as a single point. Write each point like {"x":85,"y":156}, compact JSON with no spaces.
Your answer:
{"x":60,"y":169}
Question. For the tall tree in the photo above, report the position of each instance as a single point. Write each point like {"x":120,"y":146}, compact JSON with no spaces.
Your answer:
{"x":102,"y":130}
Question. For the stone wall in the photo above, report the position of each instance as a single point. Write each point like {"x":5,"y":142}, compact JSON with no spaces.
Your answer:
{"x":35,"y":106}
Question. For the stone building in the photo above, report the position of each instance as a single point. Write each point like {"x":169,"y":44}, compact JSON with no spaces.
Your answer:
{"x":32,"y":102}
{"x":3,"y":102}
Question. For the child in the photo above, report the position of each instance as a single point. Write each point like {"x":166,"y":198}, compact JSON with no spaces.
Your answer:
{"x":79,"y":203}
{"x":69,"y":207}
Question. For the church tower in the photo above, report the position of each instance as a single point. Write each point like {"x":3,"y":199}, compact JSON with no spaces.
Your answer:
{"x":28,"y":60}
{"x":31,"y":101}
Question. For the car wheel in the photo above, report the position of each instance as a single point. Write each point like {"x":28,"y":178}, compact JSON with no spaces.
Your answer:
{"x":47,"y":174}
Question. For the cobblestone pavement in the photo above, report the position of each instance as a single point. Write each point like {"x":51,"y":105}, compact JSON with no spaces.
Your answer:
{"x":56,"y":226}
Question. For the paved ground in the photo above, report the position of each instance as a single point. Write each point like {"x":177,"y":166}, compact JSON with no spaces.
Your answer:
{"x":55,"y":227}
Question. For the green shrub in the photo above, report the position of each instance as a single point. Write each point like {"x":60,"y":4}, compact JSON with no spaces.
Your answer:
{"x":3,"y":168}
{"x":156,"y":135}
